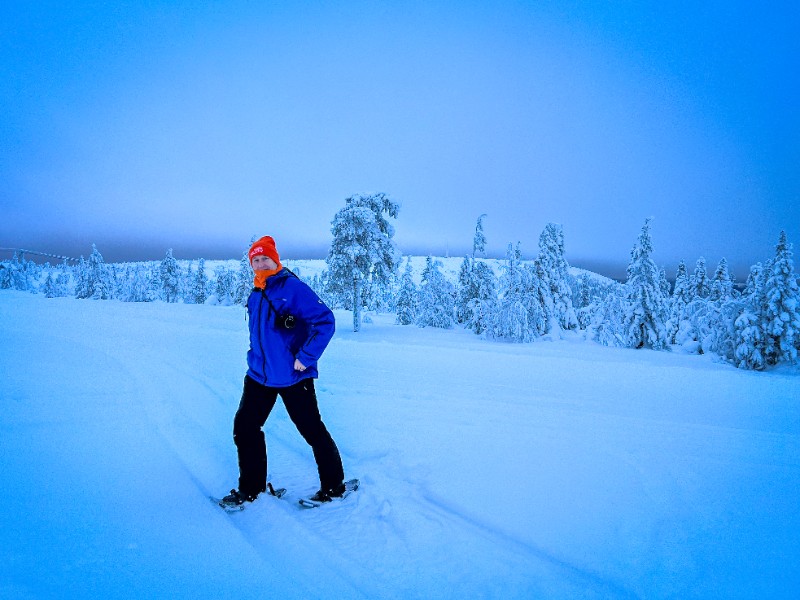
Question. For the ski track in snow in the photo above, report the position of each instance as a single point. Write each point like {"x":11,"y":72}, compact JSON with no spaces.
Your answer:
{"x":488,"y":470}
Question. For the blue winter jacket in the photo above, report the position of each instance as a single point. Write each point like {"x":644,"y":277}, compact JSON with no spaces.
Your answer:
{"x":273,"y":346}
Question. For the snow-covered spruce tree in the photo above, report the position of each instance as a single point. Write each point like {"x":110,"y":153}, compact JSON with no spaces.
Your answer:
{"x":553,"y":282}
{"x":721,"y":287}
{"x":5,"y":275}
{"x":116,"y":273}
{"x":481,"y":305}
{"x":224,"y":285}
{"x":154,"y":291}
{"x":464,"y":289}
{"x":713,"y":317}
{"x":749,"y":349}
{"x":666,"y":288}
{"x":141,"y":284}
{"x":17,"y":274}
{"x":134,"y":284}
{"x":435,"y":302}
{"x":517,"y":314}
{"x":197,"y":288}
{"x":186,"y":286}
{"x":406,"y":303}
{"x":749,"y":338}
{"x":122,"y":288}
{"x":244,"y":280}
{"x":695,"y":331}
{"x":699,"y":280}
{"x":646,"y":308}
{"x":475,"y":294}
{"x":362,"y":249}
{"x":584,"y":300}
{"x":49,"y":286}
{"x":682,"y":296}
{"x":606,"y":324}
{"x":62,"y":280}
{"x":479,"y":240}
{"x":170,"y":276}
{"x":781,"y":313}
{"x":92,"y":277}
{"x":81,"y":279}
{"x":723,"y":340}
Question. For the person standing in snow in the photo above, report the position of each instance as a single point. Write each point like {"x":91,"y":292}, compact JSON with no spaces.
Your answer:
{"x":290,"y":327}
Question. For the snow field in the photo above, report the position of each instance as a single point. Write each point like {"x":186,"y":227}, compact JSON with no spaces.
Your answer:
{"x":489,"y":470}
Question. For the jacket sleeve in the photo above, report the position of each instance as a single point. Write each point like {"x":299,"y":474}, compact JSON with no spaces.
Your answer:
{"x":319,"y":321}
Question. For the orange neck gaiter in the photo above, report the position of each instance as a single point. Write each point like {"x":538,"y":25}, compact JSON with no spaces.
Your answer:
{"x":261,"y":277}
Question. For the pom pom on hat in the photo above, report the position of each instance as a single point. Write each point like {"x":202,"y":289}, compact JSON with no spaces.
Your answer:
{"x":266,"y":246}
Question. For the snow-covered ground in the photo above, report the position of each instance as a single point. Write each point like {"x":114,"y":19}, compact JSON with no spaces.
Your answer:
{"x":489,"y":470}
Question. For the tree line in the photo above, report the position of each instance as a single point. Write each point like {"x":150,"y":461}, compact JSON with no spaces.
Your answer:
{"x":526,"y":300}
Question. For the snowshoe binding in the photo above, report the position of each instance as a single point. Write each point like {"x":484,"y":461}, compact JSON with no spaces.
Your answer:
{"x":323,"y":496}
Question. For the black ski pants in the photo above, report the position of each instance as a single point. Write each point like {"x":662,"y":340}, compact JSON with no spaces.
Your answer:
{"x":300,"y":401}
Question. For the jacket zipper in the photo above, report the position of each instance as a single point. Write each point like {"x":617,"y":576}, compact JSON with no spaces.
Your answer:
{"x":261,"y":339}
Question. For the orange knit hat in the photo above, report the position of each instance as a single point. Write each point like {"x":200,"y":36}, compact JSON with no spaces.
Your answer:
{"x":265,"y":245}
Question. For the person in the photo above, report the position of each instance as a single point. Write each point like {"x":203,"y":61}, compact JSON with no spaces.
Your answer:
{"x":290,"y":327}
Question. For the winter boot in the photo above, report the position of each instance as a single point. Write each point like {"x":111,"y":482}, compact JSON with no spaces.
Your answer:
{"x":235,"y":498}
{"x":328,"y":494}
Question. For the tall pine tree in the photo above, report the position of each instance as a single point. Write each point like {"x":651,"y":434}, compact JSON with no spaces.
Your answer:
{"x":479,"y":240}
{"x":781,"y":312}
{"x":435,"y":306}
{"x":362,"y":249}
{"x":516,"y":315}
{"x":646,"y":310}
{"x":170,"y":277}
{"x":553,"y":279}
{"x":406,"y":304}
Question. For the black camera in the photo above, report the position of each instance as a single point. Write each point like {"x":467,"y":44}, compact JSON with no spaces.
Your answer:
{"x":285,"y":321}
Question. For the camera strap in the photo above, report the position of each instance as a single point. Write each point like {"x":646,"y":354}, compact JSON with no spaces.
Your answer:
{"x":272,"y":308}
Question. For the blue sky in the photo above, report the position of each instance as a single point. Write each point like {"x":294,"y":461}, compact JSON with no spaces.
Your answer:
{"x":142,"y":126}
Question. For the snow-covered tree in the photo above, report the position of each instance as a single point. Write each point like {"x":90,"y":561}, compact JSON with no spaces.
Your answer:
{"x":482,"y":302}
{"x":682,"y":296}
{"x":136,"y":287}
{"x":62,"y":280}
{"x":406,"y":303}
{"x":18,"y":274}
{"x":435,"y":304}
{"x":584,"y":300}
{"x":553,"y":279}
{"x":362,"y":249}
{"x":380,"y":296}
{"x":475,"y":288}
{"x":170,"y":276}
{"x":607,"y":317}
{"x":646,"y":308}
{"x":49,"y":286}
{"x":517,"y":315}
{"x":197,"y":292}
{"x":244,"y":280}
{"x":479,"y":240}
{"x":749,"y":337}
{"x":224,"y":285}
{"x":93,"y":279}
{"x":464,"y":289}
{"x":781,"y":313}
{"x":153,"y":279}
{"x":699,"y":280}
{"x":721,"y":287}
{"x":749,"y":349}
{"x":81,"y":279}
